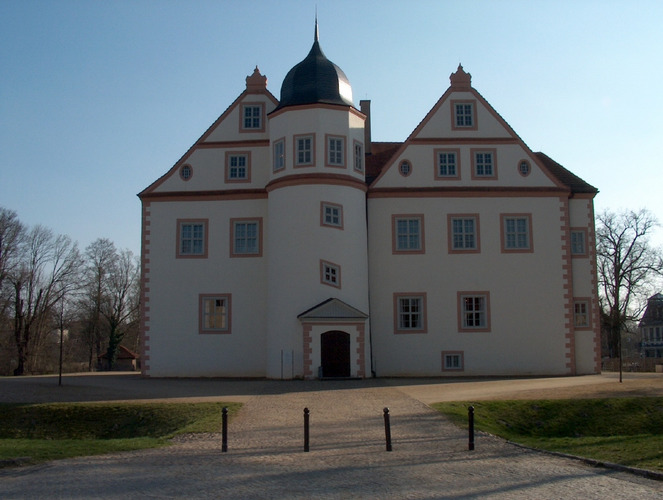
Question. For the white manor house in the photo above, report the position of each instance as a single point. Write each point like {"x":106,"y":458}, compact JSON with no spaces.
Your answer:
{"x":285,"y":243}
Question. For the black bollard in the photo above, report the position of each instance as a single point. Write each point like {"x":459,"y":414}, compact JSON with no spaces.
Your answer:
{"x":306,"y":435}
{"x":470,"y":416}
{"x":387,"y":428}
{"x":224,"y":430}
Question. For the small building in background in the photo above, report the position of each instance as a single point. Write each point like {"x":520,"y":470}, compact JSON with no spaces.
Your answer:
{"x":651,"y":328}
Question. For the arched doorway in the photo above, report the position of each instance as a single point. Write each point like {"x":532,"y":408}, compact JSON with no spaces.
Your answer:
{"x":335,"y":354}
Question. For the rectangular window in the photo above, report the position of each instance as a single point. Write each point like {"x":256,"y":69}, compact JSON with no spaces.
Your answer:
{"x":214,"y":313}
{"x":304,"y":153}
{"x":336,"y":151}
{"x":192,"y":238}
{"x":452,"y":361}
{"x":331,"y":214}
{"x":463,"y":233}
{"x":410,"y":313}
{"x":358,"y":156}
{"x":581,"y":314}
{"x":408,"y":233}
{"x":516,"y":233}
{"x":484,"y":164}
{"x":578,"y":242}
{"x":446,"y":164}
{"x":238,"y":167}
{"x":252,"y":117}
{"x":464,"y":114}
{"x":474,"y":311}
{"x":246,"y":237}
{"x":278,"y":155}
{"x":330,"y":274}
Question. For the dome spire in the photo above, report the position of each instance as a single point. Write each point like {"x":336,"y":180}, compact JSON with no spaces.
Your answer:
{"x":315,"y":80}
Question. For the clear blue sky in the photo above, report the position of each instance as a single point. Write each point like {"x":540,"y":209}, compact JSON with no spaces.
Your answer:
{"x":99,"y":99}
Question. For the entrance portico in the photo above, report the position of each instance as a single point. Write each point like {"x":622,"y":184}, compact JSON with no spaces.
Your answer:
{"x":334,"y":336}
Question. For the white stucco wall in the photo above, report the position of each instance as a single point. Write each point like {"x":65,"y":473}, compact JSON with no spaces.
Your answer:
{"x":175,"y":346}
{"x":526,"y":290}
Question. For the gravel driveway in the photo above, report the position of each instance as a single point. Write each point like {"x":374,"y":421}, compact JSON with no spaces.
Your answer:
{"x":347,"y":458}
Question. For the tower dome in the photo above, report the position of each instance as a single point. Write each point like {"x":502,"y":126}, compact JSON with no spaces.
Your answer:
{"x":315,"y":80}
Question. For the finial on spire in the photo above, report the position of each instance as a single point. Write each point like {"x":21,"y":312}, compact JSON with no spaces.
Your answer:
{"x":316,"y":35}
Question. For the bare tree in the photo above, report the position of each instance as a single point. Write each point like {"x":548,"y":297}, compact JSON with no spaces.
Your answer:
{"x":48,"y":269}
{"x":11,"y":232}
{"x":101,"y":256}
{"x":121,"y":300}
{"x":627,"y":265}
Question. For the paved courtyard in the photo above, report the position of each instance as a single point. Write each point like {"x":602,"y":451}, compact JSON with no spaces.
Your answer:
{"x":347,"y":457}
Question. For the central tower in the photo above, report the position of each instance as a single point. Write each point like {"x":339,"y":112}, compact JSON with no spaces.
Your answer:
{"x":316,"y":236}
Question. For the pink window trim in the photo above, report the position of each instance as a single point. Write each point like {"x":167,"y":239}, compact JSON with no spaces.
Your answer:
{"x":262,"y":117}
{"x":424,"y":318}
{"x":460,"y":296}
{"x":232,"y":237}
{"x":228,"y":298}
{"x":503,"y":218}
{"x":205,"y":223}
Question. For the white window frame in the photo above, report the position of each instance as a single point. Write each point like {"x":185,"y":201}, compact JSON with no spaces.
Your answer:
{"x":463,"y":238}
{"x":330,"y":274}
{"x":484,"y":164}
{"x":238,"y":166}
{"x":453,"y":361}
{"x":335,"y":151}
{"x":464,"y":116}
{"x":252,"y":122}
{"x":582,"y":319}
{"x":406,"y":237}
{"x":239,"y":237}
{"x":331,"y":215}
{"x":278,"y":155}
{"x":410,"y":313}
{"x":474,"y":311}
{"x":442,"y":168}
{"x":358,"y":148}
{"x":578,"y":242}
{"x":518,"y":238}
{"x":214,"y":313}
{"x":191,"y":238}
{"x":304,"y":150}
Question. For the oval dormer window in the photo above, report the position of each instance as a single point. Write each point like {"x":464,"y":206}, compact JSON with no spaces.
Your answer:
{"x":405,"y":168}
{"x":186,"y":172}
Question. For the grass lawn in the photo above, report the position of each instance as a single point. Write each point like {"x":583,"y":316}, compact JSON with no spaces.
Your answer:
{"x":42,"y":432}
{"x":626,"y":431}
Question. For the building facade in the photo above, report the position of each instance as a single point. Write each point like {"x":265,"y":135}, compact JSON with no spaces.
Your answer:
{"x":651,"y":328}
{"x":285,"y":243}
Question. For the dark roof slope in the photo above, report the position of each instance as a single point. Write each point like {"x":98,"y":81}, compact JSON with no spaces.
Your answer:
{"x":381,"y":152}
{"x":575,"y":183}
{"x":654,"y":312}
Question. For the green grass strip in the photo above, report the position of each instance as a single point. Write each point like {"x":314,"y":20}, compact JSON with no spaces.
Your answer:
{"x":626,"y":431}
{"x":43,"y":432}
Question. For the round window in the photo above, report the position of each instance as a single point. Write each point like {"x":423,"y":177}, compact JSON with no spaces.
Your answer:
{"x":405,"y":168}
{"x":523,"y":168}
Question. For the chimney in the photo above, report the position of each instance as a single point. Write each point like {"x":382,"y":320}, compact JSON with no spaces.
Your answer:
{"x":365,"y":107}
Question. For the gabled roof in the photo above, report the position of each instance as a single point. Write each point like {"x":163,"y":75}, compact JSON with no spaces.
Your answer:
{"x":575,"y":183}
{"x":122,"y":353}
{"x":654,"y":312}
{"x":333,"y":309}
{"x":256,"y":83}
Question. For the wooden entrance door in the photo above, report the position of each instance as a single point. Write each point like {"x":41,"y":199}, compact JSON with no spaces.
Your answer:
{"x":335,"y":347}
